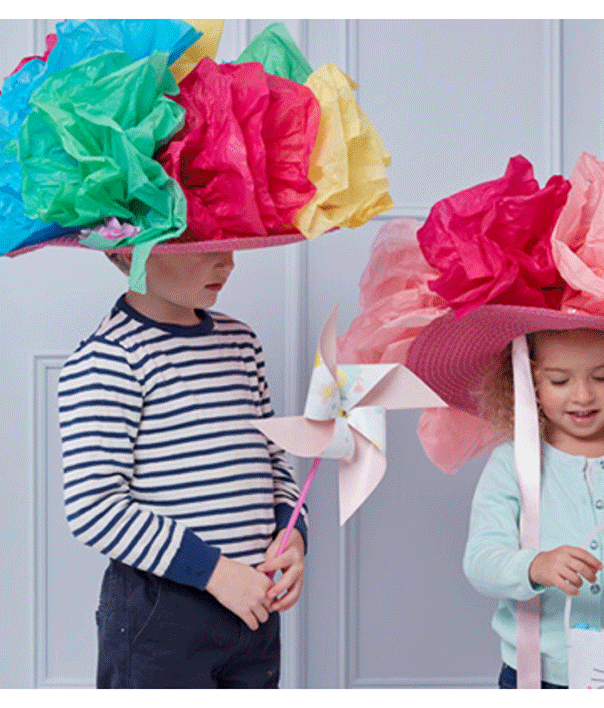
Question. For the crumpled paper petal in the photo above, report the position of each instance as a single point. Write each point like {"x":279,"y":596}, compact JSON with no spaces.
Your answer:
{"x":395,"y":302}
{"x":492,"y":242}
{"x":275,"y":49}
{"x":15,"y":228}
{"x":206,"y":46}
{"x":348,"y":162}
{"x":83,"y":39}
{"x":450,"y":437}
{"x":242,"y":157}
{"x":112,"y":229}
{"x":76,"y":40}
{"x":578,"y":239}
{"x":86,"y":150}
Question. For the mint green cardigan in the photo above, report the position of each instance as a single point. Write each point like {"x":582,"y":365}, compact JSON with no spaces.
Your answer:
{"x":572,"y":504}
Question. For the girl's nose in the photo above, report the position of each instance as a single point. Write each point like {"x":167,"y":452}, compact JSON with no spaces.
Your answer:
{"x":583,"y":391}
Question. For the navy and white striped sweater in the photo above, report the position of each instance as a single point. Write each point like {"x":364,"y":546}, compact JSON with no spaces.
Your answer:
{"x":162,"y":469}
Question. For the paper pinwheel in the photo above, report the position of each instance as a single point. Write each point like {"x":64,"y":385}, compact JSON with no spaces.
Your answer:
{"x":344,"y":418}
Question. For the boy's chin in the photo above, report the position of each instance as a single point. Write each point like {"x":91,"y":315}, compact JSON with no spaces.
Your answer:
{"x":204,"y":304}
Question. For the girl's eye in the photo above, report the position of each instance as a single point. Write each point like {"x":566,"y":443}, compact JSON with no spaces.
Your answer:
{"x":599,"y":378}
{"x":560,"y":382}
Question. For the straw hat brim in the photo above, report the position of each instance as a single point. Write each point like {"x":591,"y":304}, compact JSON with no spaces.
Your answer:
{"x":452,"y":355}
{"x":231,"y":243}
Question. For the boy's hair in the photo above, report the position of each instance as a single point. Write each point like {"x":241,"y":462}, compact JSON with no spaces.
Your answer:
{"x":496,"y":397}
{"x":118,"y":260}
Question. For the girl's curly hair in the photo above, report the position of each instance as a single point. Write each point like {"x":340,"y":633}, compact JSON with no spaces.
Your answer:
{"x":496,"y":396}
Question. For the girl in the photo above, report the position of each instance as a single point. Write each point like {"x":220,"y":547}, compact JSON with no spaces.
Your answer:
{"x":568,"y":373}
{"x":491,"y":265}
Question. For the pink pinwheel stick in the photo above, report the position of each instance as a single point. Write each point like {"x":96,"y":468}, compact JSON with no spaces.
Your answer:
{"x":297,"y":509}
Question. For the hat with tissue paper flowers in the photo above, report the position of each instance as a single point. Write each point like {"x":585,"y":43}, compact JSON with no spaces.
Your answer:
{"x":127,"y":135}
{"x":513,"y":259}
{"x":491,"y":263}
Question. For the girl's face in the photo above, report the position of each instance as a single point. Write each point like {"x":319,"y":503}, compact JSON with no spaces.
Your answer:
{"x":569,"y":381}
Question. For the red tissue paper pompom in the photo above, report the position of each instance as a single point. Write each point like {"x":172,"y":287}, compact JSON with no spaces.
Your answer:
{"x":242,"y":156}
{"x":491,"y":243}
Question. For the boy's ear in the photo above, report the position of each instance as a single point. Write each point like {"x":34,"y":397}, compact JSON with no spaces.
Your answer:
{"x":126,"y":256}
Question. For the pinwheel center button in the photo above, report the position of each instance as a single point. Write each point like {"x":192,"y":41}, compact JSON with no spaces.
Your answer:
{"x":343,"y":413}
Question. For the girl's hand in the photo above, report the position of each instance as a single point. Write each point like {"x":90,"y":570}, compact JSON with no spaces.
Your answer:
{"x":561,"y":568}
{"x":291,"y":562}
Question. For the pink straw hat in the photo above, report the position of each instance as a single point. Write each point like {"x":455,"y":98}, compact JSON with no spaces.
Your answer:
{"x":452,"y":354}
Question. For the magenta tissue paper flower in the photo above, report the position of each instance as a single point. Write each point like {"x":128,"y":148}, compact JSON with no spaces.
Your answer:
{"x":491,"y":242}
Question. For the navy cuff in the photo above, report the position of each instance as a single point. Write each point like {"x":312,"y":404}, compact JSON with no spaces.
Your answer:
{"x":194,"y":561}
{"x":283,"y":514}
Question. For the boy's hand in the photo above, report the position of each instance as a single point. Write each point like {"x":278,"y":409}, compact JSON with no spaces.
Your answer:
{"x":561,"y":568}
{"x":242,"y":590}
{"x":291,"y":562}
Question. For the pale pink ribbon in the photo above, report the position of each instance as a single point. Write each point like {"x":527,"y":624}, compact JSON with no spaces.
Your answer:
{"x":528,"y":470}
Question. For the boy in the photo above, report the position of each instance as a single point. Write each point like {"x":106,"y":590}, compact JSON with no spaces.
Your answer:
{"x":165,"y":475}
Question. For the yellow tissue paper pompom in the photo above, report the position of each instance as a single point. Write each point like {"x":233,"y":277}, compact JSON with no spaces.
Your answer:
{"x":348,"y":162}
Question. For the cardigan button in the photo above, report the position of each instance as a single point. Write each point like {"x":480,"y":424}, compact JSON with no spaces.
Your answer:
{"x":595,"y":589}
{"x":593,"y":545}
{"x":599,"y":504}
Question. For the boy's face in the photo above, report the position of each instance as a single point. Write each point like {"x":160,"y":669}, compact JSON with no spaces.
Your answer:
{"x":177,"y":284}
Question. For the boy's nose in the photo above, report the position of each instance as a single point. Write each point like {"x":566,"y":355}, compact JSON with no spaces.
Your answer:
{"x":225,"y":259}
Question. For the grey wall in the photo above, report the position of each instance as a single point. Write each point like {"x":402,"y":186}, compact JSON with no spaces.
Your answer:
{"x":385,"y":603}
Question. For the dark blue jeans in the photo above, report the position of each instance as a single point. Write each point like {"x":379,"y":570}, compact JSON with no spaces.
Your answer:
{"x":507,"y":679}
{"x":154,"y":633}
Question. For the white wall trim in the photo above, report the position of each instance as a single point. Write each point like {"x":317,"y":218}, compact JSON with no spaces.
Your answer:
{"x":244,"y":34}
{"x":42,"y":364}
{"x":349,"y":583}
{"x":39,"y":30}
{"x":295,"y":328}
{"x":438,"y":682}
{"x":295,"y":338}
{"x":553,"y":96}
{"x":405,"y":211}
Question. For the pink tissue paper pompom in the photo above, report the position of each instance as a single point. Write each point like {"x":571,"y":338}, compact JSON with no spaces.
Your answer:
{"x":578,"y":239}
{"x":450,"y":437}
{"x":395,"y":302}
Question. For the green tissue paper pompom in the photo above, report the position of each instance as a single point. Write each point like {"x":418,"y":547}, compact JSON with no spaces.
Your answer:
{"x":86,"y":150}
{"x":275,"y":49}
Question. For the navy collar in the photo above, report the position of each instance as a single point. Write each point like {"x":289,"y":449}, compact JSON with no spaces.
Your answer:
{"x":205,"y":326}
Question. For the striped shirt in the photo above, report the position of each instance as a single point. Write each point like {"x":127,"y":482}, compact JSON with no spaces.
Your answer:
{"x":163,"y":470}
